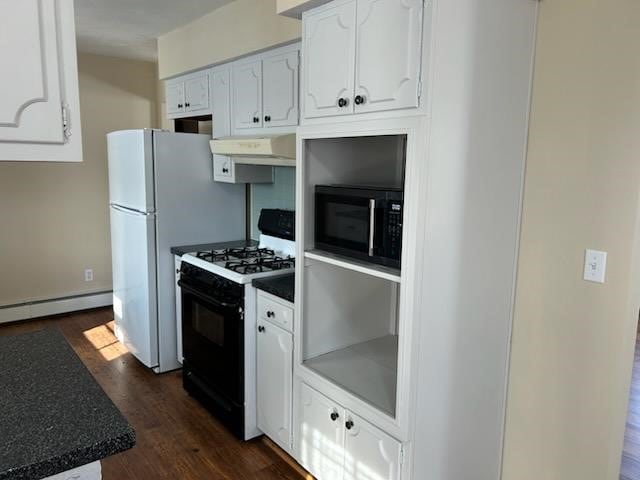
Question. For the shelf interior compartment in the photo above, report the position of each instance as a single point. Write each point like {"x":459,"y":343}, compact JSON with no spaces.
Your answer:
{"x":349,"y":331}
{"x":367,"y":369}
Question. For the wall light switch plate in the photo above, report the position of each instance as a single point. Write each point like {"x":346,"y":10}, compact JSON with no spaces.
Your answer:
{"x":595,"y":264}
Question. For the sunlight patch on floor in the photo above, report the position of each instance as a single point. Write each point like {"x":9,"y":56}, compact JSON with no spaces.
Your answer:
{"x":105,"y":342}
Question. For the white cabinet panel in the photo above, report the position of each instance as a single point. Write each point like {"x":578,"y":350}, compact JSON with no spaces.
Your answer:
{"x":30,"y":98}
{"x":220,"y":80}
{"x":273,"y":311}
{"x":328,"y":55}
{"x":247,"y":95}
{"x":175,"y":97}
{"x":39,"y":100}
{"x":321,"y":435}
{"x":370,"y":454}
{"x":280,"y":90}
{"x":222,"y":168}
{"x":274,"y":378}
{"x":387,"y":54}
{"x":197,"y":93}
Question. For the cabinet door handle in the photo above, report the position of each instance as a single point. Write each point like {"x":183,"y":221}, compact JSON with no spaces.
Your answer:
{"x":225,"y":170}
{"x":260,"y":328}
{"x":267,"y":118}
{"x":359,"y":100}
{"x":256,"y":119}
{"x":179,"y":105}
{"x":177,"y":270}
{"x":343,"y":102}
{"x":187,"y":104}
{"x":270,"y":314}
{"x":334,"y":416}
{"x":349,"y":424}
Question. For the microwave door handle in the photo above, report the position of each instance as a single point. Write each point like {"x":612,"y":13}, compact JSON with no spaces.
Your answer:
{"x":372,"y":224}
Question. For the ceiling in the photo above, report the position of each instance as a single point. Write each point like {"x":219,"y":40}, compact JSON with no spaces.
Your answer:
{"x":129,"y":28}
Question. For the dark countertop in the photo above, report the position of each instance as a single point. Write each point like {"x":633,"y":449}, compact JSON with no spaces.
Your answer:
{"x":54,"y":415}
{"x":282,"y":286}
{"x":212,"y":246}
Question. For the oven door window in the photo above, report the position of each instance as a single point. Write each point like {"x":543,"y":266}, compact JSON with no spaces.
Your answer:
{"x":343,"y":222}
{"x":213,"y":343}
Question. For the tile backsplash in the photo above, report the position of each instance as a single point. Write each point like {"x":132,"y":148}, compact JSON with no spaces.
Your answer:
{"x":279,"y":194}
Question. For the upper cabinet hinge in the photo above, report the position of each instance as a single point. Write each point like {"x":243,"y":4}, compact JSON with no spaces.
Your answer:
{"x":420,"y":89}
{"x":66,"y":123}
{"x":401,"y":455}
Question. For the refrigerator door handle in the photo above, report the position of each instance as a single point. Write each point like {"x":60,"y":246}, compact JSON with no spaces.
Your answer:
{"x":130,"y":210}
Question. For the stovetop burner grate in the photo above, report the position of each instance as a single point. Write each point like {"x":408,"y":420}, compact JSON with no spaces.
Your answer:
{"x":258,"y":265}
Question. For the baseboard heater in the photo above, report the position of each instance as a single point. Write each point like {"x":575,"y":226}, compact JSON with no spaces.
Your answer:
{"x":54,"y":306}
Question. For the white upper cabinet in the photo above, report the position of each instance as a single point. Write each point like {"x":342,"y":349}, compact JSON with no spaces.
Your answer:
{"x":188,"y":95}
{"x":369,"y":452}
{"x":247,"y":94}
{"x":197,"y":93}
{"x":280,"y":89}
{"x":274,"y":379}
{"x":175,"y":98}
{"x":328,"y":53}
{"x":393,"y":85}
{"x":39,"y":106}
{"x":362,"y":56}
{"x":220,"y":80}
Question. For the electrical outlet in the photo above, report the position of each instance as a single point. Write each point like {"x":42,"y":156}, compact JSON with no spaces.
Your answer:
{"x":88,"y":275}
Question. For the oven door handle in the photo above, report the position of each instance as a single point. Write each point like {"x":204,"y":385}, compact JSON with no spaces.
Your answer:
{"x":196,"y":293}
{"x":372,"y":225}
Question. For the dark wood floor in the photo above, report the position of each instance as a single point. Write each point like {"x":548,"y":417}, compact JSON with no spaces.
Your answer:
{"x":630,"y":468}
{"x":176,"y":437}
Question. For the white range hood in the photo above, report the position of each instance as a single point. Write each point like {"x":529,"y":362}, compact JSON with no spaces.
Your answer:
{"x":265,"y":150}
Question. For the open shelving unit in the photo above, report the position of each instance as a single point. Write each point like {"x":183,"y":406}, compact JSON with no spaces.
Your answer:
{"x":350,"y":307}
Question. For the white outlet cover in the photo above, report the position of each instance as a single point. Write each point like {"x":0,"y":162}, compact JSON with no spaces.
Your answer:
{"x":595,"y":265}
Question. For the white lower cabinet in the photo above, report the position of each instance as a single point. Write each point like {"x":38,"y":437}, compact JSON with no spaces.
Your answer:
{"x":275,"y":377}
{"x":336,"y":444}
{"x":178,"y":262}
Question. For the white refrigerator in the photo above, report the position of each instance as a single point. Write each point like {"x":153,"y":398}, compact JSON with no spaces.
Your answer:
{"x":161,"y":194}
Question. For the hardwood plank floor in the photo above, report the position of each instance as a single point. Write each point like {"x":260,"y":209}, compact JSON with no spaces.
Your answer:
{"x":630,"y":466}
{"x":176,"y":437}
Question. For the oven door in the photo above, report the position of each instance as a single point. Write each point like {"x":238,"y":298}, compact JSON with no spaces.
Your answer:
{"x":345,"y":224}
{"x":213,"y":342}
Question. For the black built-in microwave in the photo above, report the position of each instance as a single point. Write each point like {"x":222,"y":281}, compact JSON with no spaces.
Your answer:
{"x":360,"y":222}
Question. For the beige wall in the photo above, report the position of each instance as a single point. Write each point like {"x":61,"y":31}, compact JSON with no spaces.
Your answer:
{"x":55,"y":217}
{"x":236,"y":29}
{"x":573,"y":340}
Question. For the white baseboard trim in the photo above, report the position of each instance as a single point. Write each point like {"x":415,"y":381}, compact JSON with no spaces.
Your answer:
{"x":45,"y":308}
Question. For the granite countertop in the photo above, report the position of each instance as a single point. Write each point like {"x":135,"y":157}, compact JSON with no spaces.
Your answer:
{"x":282,"y":286}
{"x":212,"y":246}
{"x":55,"y":416}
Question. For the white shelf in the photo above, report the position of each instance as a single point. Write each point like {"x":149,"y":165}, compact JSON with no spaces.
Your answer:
{"x":368,"y":370}
{"x":380,"y":271}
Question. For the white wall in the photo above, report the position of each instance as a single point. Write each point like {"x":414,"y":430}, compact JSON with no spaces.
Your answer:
{"x":55,"y":217}
{"x":231,"y":31}
{"x":573,"y":340}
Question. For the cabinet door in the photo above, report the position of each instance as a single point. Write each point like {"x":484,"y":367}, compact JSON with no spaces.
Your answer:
{"x":197,"y":93}
{"x":321,"y":435}
{"x":175,"y":98}
{"x":222,"y":169}
{"x":31,"y":97}
{"x":220,"y":79}
{"x":280,"y":90}
{"x":247,"y":95}
{"x":275,"y":372}
{"x":178,"y":262}
{"x":329,"y":58}
{"x":388,"y":54}
{"x":370,"y":454}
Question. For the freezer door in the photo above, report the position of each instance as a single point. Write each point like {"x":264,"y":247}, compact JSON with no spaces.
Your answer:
{"x":131,"y":169}
{"x":134,"y":283}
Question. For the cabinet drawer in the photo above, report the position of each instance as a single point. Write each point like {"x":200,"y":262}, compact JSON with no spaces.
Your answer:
{"x":275,"y":312}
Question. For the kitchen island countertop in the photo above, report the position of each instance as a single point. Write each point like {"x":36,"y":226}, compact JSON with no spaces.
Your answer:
{"x":55,"y":416}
